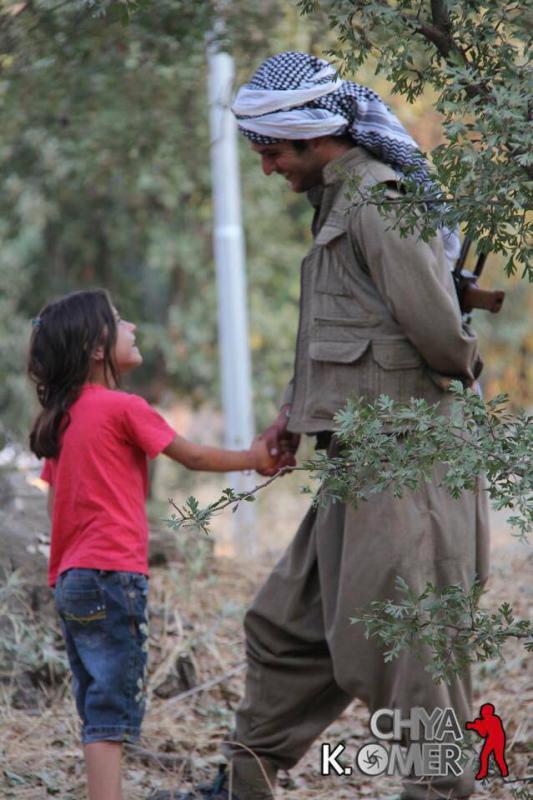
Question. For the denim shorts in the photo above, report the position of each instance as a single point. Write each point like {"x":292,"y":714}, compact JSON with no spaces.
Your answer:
{"x":104,"y":622}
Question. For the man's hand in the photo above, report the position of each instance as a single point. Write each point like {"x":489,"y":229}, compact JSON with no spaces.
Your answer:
{"x":263,"y":461}
{"x":281,"y":444}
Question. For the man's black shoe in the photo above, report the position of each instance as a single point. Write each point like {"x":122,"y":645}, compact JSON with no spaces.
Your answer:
{"x":218,"y":790}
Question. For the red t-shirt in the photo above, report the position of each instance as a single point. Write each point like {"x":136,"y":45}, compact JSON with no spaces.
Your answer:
{"x":100,"y":481}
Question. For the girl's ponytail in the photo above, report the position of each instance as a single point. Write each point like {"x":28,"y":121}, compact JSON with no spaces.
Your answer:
{"x":65,"y":335}
{"x":51,"y":422}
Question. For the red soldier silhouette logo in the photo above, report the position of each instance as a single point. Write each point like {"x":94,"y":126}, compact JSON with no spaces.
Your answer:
{"x":490,"y":727}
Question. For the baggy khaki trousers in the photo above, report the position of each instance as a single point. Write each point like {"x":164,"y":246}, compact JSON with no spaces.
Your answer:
{"x":306,"y":661}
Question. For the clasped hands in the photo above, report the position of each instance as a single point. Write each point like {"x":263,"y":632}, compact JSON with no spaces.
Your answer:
{"x":281,"y":445}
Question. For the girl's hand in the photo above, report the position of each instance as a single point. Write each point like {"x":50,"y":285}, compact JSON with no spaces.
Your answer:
{"x":262,"y":460}
{"x":281,"y":444}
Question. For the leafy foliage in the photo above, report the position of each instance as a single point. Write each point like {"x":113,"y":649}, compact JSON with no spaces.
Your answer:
{"x":190,"y":515}
{"x":388,"y":444}
{"x":393,"y":445}
{"x":448,"y":621}
{"x":474,"y":55}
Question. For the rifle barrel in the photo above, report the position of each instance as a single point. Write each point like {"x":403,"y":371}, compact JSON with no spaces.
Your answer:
{"x":465,"y":247}
{"x":480,"y":264}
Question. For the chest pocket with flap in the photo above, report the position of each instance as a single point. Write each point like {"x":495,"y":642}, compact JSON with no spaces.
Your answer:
{"x":338,"y":352}
{"x":396,"y":354}
{"x":334,"y":257}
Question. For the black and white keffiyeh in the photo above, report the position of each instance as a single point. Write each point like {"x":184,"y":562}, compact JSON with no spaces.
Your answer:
{"x":298,"y":96}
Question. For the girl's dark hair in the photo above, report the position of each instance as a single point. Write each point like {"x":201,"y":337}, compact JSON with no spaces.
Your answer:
{"x":65,"y":335}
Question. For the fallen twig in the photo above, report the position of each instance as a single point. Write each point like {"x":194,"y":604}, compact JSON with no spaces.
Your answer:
{"x":204,"y":686}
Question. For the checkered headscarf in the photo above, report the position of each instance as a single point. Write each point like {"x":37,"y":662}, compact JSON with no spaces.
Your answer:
{"x":298,"y":96}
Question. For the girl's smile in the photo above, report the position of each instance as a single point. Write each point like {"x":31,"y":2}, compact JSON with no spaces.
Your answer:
{"x":126,"y":355}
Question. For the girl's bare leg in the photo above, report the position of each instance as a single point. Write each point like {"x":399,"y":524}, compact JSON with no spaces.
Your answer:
{"x":103,"y":765}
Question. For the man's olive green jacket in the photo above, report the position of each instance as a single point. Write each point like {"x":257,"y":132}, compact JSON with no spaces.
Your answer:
{"x":378,"y":312}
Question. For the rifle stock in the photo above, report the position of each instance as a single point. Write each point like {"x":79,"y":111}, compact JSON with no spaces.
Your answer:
{"x":474,"y":297}
{"x":469,"y":294}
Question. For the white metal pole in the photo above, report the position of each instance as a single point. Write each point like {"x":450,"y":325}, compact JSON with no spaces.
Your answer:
{"x":231,"y":285}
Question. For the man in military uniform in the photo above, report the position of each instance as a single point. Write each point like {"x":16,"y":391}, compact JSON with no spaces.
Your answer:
{"x":378,"y":315}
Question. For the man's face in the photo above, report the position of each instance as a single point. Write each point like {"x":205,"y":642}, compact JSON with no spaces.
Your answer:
{"x":301,"y":168}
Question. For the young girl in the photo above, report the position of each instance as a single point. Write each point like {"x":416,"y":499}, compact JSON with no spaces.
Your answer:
{"x":96,"y":441}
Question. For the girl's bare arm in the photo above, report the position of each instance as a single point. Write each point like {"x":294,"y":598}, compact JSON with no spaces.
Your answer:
{"x":216,"y":459}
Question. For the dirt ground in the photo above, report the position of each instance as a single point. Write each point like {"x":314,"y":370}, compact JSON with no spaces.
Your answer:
{"x":197,"y":603}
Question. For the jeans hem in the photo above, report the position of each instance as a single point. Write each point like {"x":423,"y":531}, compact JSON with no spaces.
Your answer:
{"x":109,"y":733}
